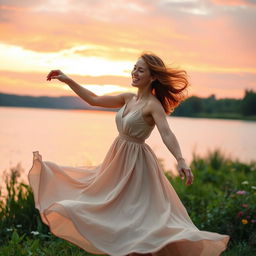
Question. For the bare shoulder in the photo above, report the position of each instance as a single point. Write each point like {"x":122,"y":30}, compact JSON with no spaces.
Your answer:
{"x":153,"y":111}
{"x":128,"y":96}
{"x":154,"y":105}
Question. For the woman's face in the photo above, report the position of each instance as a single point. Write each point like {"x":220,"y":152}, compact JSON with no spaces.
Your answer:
{"x":140,"y":74}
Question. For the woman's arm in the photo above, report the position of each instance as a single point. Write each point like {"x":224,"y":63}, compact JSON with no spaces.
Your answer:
{"x":170,"y":140}
{"x":91,"y":98}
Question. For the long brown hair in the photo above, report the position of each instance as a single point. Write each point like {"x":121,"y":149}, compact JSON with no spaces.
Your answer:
{"x":170,"y":83}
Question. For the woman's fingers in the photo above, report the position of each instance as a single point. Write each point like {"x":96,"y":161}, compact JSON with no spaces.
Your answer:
{"x":49,"y":75}
{"x":188,"y":174}
{"x":55,"y":77}
{"x":182,"y":174}
{"x":53,"y":74}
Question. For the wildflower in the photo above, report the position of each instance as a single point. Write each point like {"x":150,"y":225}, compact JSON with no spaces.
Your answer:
{"x":241,"y":192}
{"x":245,"y":182}
{"x":35,"y":233}
{"x":244,"y":221}
{"x":248,"y":217}
{"x":253,"y":187}
{"x":9,"y":229}
{"x":18,"y":225}
{"x":240,"y":214}
{"x":253,"y":221}
{"x":245,"y":205}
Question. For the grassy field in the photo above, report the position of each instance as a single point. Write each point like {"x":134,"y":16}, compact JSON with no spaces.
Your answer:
{"x":222,"y":199}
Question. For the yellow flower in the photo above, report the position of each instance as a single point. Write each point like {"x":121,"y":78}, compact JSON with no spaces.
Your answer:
{"x":244,"y":221}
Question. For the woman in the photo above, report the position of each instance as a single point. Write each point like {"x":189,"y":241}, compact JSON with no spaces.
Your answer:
{"x":126,"y":205}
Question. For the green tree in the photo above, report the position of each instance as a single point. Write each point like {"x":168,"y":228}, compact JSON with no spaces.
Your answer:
{"x":249,"y":103}
{"x":189,"y":107}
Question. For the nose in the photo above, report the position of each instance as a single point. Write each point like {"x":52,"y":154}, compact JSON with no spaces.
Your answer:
{"x":134,"y":72}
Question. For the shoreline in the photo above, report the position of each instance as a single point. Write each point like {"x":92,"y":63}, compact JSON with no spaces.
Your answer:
{"x":199,"y":115}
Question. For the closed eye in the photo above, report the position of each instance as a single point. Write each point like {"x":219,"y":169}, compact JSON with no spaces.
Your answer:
{"x":140,"y":69}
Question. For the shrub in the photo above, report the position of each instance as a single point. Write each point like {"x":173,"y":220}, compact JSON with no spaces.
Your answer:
{"x":222,"y":197}
{"x":17,"y":208}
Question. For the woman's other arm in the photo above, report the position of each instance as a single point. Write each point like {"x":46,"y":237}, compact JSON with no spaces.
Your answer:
{"x":170,"y":140}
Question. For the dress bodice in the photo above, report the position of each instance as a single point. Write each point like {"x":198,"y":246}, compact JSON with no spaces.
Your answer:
{"x":133,"y":123}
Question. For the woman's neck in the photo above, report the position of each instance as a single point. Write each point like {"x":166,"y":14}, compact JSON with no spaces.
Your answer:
{"x":142,"y":94}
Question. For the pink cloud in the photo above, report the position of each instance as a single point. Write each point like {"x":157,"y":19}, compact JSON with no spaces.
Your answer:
{"x":223,"y":39}
{"x":174,"y":39}
{"x":235,"y":2}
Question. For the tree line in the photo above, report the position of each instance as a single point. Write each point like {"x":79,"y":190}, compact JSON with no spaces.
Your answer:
{"x":193,"y":106}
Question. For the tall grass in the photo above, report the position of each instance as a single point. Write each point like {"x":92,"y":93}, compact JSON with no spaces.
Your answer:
{"x":223,"y":196}
{"x":17,"y":207}
{"x":222,"y":199}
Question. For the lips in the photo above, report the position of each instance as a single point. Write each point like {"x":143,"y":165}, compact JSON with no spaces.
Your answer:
{"x":135,"y":80}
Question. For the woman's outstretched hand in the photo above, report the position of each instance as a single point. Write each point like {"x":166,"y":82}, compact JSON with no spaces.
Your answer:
{"x":57,"y":74}
{"x":185,"y":172}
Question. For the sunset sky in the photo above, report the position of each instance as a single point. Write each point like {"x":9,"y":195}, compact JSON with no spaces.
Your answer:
{"x":97,"y":42}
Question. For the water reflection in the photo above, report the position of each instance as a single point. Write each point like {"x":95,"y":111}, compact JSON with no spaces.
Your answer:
{"x":78,"y":137}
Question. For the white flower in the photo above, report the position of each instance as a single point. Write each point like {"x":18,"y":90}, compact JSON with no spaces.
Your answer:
{"x":35,"y":233}
{"x":253,"y":187}
{"x":9,"y":229}
{"x":19,"y":226}
{"x":245,"y":182}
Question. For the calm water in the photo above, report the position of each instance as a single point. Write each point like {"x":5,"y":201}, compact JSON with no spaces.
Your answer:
{"x":80,"y":137}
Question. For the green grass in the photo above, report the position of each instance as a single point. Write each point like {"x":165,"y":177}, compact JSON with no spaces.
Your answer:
{"x":39,"y":246}
{"x":42,"y":245}
{"x":221,"y":199}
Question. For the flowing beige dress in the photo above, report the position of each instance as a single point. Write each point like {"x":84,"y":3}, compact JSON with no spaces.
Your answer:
{"x":124,"y":206}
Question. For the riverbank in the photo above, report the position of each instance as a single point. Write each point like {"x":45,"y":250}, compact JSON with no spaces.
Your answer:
{"x":196,"y":107}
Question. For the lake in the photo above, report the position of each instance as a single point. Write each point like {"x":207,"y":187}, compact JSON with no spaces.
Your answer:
{"x":83,"y":137}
